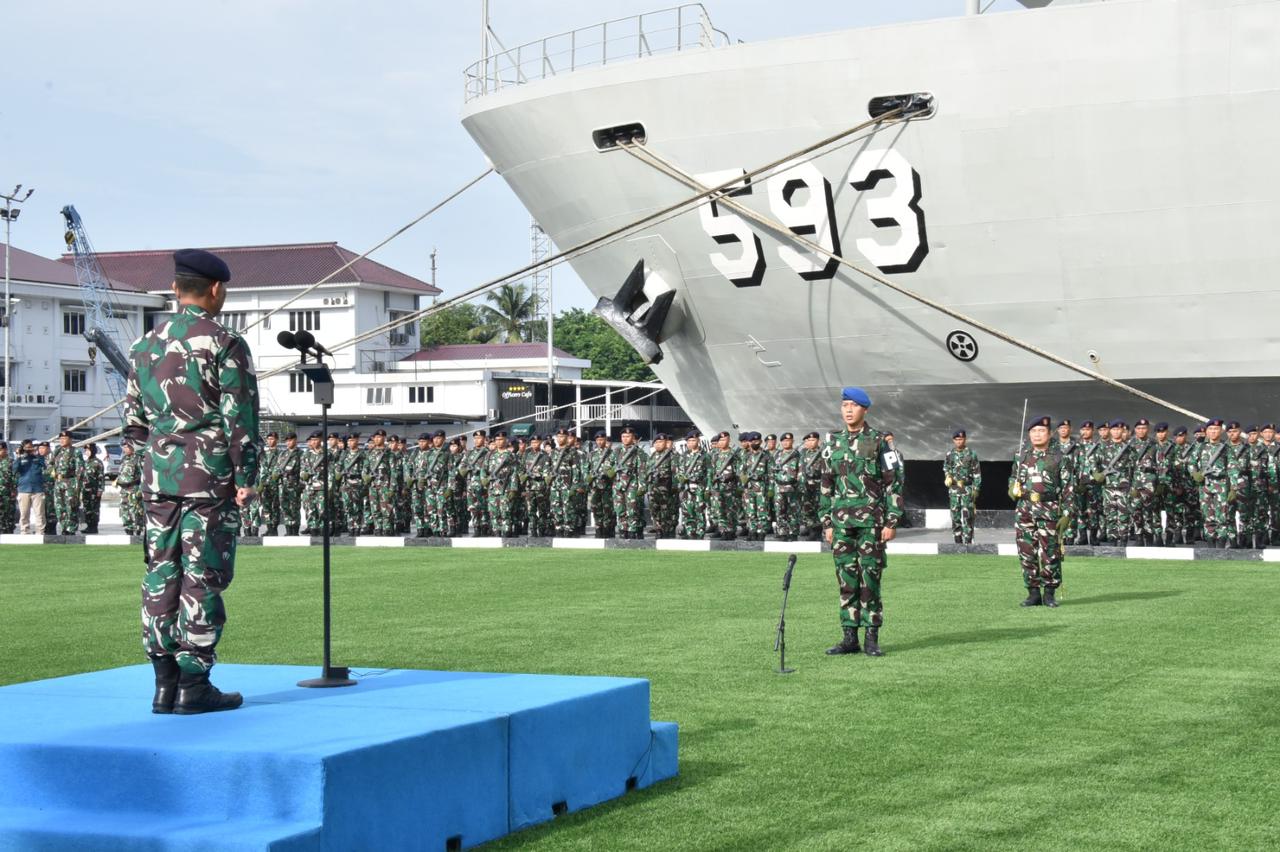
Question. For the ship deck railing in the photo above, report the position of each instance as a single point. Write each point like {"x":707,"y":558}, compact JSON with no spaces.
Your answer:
{"x":678,"y":28}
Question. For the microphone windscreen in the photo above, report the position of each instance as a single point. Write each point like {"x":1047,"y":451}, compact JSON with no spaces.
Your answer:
{"x":304,"y":339}
{"x":287,"y":340}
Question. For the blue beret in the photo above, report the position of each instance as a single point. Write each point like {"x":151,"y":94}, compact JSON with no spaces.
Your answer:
{"x":662,"y":436}
{"x":692,"y":433}
{"x":959,"y":433}
{"x":1120,"y":423}
{"x":1064,"y":422}
{"x":1212,"y":421}
{"x":1234,"y":424}
{"x":787,"y":436}
{"x":857,"y":395}
{"x":424,"y":436}
{"x":1042,"y":420}
{"x":1088,"y":423}
{"x":1142,"y":421}
{"x":1162,"y":426}
{"x":1270,"y":426}
{"x":755,"y":436}
{"x":599,"y":434}
{"x":315,"y":434}
{"x":812,"y":435}
{"x":200,"y":263}
{"x":1181,"y":430}
{"x":1251,"y":428}
{"x":501,"y":433}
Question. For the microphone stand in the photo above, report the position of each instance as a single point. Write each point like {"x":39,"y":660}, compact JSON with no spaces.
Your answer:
{"x":322,"y":388}
{"x":780,"y":642}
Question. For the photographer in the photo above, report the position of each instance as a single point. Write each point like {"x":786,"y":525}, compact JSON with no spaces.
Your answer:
{"x":30,"y":467}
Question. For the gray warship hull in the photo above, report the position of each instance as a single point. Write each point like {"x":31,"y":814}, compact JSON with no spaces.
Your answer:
{"x":1097,"y":179}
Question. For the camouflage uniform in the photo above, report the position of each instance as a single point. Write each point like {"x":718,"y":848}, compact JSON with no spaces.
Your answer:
{"x":788,"y":486}
{"x":1259,"y":481}
{"x":1242,"y":483}
{"x":1210,"y":467}
{"x":92,"y":481}
{"x":1191,"y":500}
{"x":1169,"y":491}
{"x":129,"y":481}
{"x":755,"y":474}
{"x":860,"y":497}
{"x":1117,"y":459}
{"x":536,"y":470}
{"x":8,"y":495}
{"x":1144,"y":517}
{"x":269,"y":494}
{"x":502,"y":486}
{"x":337,"y":518}
{"x":192,"y":412}
{"x":288,"y":471}
{"x":692,"y":474}
{"x":456,"y":494}
{"x":663,"y":502}
{"x":311,"y":477}
{"x":628,"y":490}
{"x":475,"y":466}
{"x":722,"y":493}
{"x":566,"y":482}
{"x":600,"y":472}
{"x":811,"y":491}
{"x":963,"y":477}
{"x":403,"y":490}
{"x":379,"y":479}
{"x":1088,"y":493}
{"x":1272,"y":490}
{"x":1069,"y":449}
{"x":426,"y":498}
{"x":67,"y":465}
{"x":1044,"y":488}
{"x":351,"y":478}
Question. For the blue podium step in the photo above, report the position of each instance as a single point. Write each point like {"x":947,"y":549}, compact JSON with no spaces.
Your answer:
{"x":405,"y":759}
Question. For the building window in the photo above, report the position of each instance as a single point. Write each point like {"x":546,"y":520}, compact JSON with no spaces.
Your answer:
{"x":402,"y":335}
{"x":72,"y":322}
{"x":377,"y":396}
{"x":74,"y":379}
{"x":304,"y":320}
{"x":422,"y":393}
{"x":298,"y":383}
{"x":234,"y":320}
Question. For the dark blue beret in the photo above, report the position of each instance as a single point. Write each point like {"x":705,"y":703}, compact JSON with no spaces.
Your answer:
{"x":1064,"y":422}
{"x":787,"y":436}
{"x":959,"y":433}
{"x":382,"y":432}
{"x":857,"y":395}
{"x":600,"y":433}
{"x":1181,"y":430}
{"x":424,"y":436}
{"x":1142,"y":421}
{"x":771,"y":437}
{"x":439,"y":433}
{"x":1212,"y":421}
{"x":812,"y":435}
{"x":1251,"y":428}
{"x":662,"y":436}
{"x":293,"y":435}
{"x":1270,"y":426}
{"x":1042,"y":420}
{"x":315,"y":434}
{"x":501,"y":433}
{"x":200,"y":263}
{"x":1234,"y":424}
{"x":1085,"y":423}
{"x":1162,"y":426}
{"x":692,"y":433}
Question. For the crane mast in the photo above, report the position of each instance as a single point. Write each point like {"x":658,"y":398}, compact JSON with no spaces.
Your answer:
{"x":99,"y":329}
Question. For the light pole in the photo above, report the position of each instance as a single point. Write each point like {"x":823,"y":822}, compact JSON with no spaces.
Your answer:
{"x":10,"y":215}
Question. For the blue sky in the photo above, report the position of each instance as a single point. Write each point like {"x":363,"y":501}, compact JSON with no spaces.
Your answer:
{"x":235,"y":122}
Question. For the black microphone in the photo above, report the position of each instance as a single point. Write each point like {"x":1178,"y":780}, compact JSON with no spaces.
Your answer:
{"x":786,"y":578}
{"x":287,"y":340}
{"x":306,"y":340}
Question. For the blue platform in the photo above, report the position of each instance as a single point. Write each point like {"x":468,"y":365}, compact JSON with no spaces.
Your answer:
{"x":404,"y":760}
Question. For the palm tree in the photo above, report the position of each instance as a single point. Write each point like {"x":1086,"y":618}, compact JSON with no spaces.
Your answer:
{"x":508,"y":316}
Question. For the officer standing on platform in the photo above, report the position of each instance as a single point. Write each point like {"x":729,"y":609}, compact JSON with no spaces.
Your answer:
{"x":963,"y":477}
{"x":861,"y":507}
{"x":192,"y":403}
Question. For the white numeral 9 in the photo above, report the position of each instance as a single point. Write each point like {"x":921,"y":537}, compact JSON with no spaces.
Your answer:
{"x":813,"y":218}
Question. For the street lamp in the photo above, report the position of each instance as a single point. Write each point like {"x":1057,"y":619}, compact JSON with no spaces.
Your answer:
{"x":10,"y":215}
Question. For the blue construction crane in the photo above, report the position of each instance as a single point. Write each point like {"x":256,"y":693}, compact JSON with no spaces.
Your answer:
{"x":101,"y":328}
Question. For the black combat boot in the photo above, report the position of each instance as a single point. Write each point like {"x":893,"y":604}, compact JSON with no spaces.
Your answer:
{"x":1229,"y":543}
{"x":872,"y":646}
{"x":92,"y":529}
{"x":197,"y":695}
{"x":167,"y":673}
{"x":847,"y":645}
{"x":1033,"y":597}
{"x":1048,"y":597}
{"x":1257,"y":541}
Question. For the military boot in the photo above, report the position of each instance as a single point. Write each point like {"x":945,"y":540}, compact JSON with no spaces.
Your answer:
{"x":167,"y":674}
{"x":847,"y":645}
{"x":1033,"y":597}
{"x":1257,"y":541}
{"x":1048,"y":597}
{"x":197,"y":695}
{"x":872,"y":646}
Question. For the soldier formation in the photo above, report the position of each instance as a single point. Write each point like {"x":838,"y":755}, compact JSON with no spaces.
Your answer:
{"x":71,"y":482}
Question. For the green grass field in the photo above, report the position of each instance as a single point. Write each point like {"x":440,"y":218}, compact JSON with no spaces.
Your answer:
{"x":1141,"y":714}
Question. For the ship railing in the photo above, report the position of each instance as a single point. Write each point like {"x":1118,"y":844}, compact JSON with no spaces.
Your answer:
{"x":679,"y":28}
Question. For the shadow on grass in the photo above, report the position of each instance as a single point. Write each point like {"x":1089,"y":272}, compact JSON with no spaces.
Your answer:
{"x":975,"y":637}
{"x":1117,"y":597}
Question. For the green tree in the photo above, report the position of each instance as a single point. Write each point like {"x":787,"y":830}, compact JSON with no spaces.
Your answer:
{"x":509,"y":316}
{"x":449,"y":325}
{"x":585,"y":335}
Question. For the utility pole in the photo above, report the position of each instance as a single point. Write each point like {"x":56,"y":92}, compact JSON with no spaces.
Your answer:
{"x":540,"y":285}
{"x":10,"y":215}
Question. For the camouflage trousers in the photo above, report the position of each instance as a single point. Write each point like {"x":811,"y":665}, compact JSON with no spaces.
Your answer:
{"x":601,"y":504}
{"x":313,"y":506}
{"x":382,"y":508}
{"x":564,"y":516}
{"x":291,"y":504}
{"x":1089,"y":506}
{"x":1272,"y":502}
{"x":537,"y":511}
{"x":755,"y":509}
{"x":1219,"y":522}
{"x":628,"y":507}
{"x":664,"y":509}
{"x":352,"y":494}
{"x":456,"y":508}
{"x":960,"y":502}
{"x":722,"y":508}
{"x":810,"y":498}
{"x":91,"y":508}
{"x":478,"y":508}
{"x":693,"y":511}
{"x":859,"y":557}
{"x":269,"y":494}
{"x":191,"y":551}
{"x":66,"y":505}
{"x":132,"y":513}
{"x":1253,"y":511}
{"x":1115,"y":513}
{"x":1039,"y":547}
{"x":404,"y":507}
{"x":1144,"y":511}
{"x":786,"y":511}
{"x":502,"y":510}
{"x":251,"y":517}
{"x":1175,"y":511}
{"x":8,"y":512}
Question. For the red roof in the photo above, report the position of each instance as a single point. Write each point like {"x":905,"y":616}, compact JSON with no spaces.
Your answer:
{"x":25,"y":266}
{"x":296,"y":265}
{"x":480,"y":351}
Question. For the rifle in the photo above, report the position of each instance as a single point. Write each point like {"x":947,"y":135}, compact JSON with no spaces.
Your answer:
{"x":1017,"y":460}
{"x":780,"y":641}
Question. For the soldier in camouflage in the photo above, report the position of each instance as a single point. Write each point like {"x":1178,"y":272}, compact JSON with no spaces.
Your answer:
{"x":788,"y":486}
{"x":475,"y":467}
{"x":1270,"y":494}
{"x":311,"y":481}
{"x":129,"y":481}
{"x":288,"y":475}
{"x":860,"y":508}
{"x":536,"y":470}
{"x":567,"y":481}
{"x":628,"y":486}
{"x":455,"y":495}
{"x":600,"y":471}
{"x":352,"y":486}
{"x":755,"y":473}
{"x":811,"y":490}
{"x":1166,"y":501}
{"x":1241,"y":481}
{"x":660,"y":476}
{"x":422,"y":507}
{"x":67,"y":466}
{"x":269,"y":485}
{"x":1087,"y":515}
{"x":1209,"y":465}
{"x":1144,"y":515}
{"x":1260,"y":474}
{"x":192,"y":403}
{"x":692,"y":474}
{"x":335,"y":451}
{"x":1042,"y":486}
{"x":501,"y":484}
{"x":1069,"y":449}
{"x":1116,"y":478}
{"x":8,"y":491}
{"x":722,"y":490}
{"x":93,"y":480}
{"x":962,"y":475}
{"x":379,"y":480}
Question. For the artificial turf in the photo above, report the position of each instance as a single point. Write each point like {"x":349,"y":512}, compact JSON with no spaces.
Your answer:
{"x":1143,"y":713}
